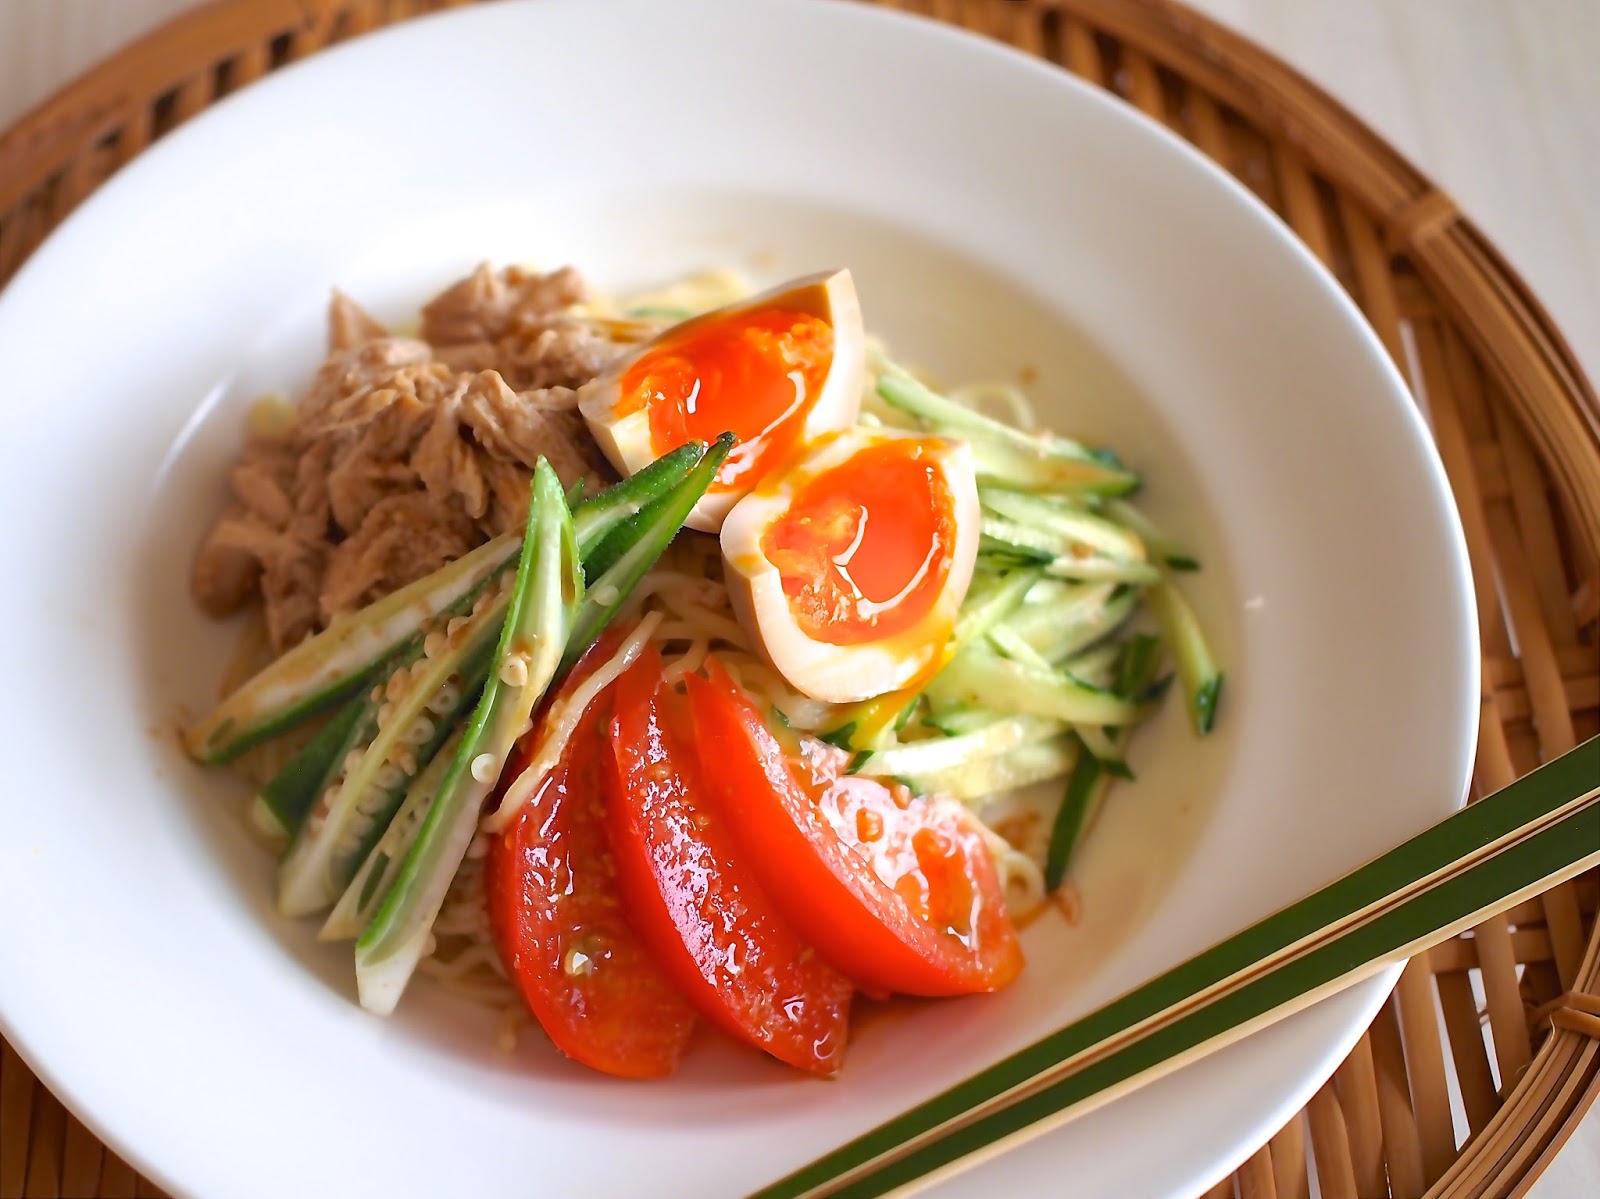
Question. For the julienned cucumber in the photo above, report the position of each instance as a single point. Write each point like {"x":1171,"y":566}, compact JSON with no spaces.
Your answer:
{"x":1006,"y":539}
{"x":548,"y":586}
{"x":1007,"y":455}
{"x":1202,"y":679}
{"x":922,"y":758}
{"x":1032,"y":762}
{"x":1091,"y":777}
{"x":1096,"y":666}
{"x":979,"y":676}
{"x":1072,"y":616}
{"x":1015,"y":647}
{"x":1064,"y":527}
{"x":418,"y":704}
{"x":1006,"y":465}
{"x":986,"y":605}
{"x":1161,"y":547}
{"x":340,"y":660}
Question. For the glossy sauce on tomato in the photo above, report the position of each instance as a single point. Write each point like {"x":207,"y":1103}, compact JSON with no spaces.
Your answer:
{"x":899,"y":892}
{"x":699,"y":902}
{"x":558,"y":917}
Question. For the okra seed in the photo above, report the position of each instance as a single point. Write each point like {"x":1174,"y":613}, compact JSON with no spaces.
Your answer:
{"x":514,"y":671}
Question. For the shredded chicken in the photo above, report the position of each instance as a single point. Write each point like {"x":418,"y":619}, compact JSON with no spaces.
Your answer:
{"x":404,"y":453}
{"x":518,"y":323}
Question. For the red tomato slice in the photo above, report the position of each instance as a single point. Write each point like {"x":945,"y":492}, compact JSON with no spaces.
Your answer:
{"x":899,"y":893}
{"x":558,"y":918}
{"x":695,"y":900}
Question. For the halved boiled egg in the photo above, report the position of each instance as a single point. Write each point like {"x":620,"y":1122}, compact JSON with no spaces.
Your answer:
{"x":849,"y":567}
{"x":776,"y":370}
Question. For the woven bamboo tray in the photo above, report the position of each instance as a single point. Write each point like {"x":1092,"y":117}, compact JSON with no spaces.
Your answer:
{"x":1518,"y":1045}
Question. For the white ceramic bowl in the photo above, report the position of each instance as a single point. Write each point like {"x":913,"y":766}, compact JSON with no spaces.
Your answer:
{"x":997,"y":215}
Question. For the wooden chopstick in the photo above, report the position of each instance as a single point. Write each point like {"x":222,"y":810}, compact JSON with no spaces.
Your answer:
{"x":1491,"y":855}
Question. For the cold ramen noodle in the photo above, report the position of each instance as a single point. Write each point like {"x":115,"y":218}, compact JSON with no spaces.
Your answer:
{"x":641,"y":665}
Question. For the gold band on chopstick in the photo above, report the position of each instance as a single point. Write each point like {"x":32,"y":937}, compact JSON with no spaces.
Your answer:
{"x":1487,"y":857}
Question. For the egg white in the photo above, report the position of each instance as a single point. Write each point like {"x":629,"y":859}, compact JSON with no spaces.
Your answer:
{"x":844,"y":673}
{"x":625,"y":437}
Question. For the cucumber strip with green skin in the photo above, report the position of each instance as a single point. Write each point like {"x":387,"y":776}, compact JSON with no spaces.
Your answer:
{"x":1197,"y":667}
{"x":1003,"y":454}
{"x":416,"y":707}
{"x":1035,"y":762}
{"x":370,"y":886}
{"x":1105,"y":749}
{"x":987,"y":608}
{"x":1057,"y":554}
{"x":979,"y":676}
{"x":957,"y":720}
{"x":864,"y":724}
{"x":996,"y":561}
{"x":1136,"y":664}
{"x":1067,"y":526}
{"x":1085,"y":613}
{"x":1004,"y":465}
{"x":1003,"y":536}
{"x":1014,"y":647}
{"x":938,"y":754}
{"x":1127,"y":668}
{"x":635,"y":545}
{"x":576,"y":492}
{"x":340,"y":660}
{"x":289,"y":794}
{"x":1091,"y":779}
{"x":1085,"y":792}
{"x":1162,"y":548}
{"x":599,"y":515}
{"x":1087,"y":570}
{"x":1096,"y":666}
{"x":549,"y":585}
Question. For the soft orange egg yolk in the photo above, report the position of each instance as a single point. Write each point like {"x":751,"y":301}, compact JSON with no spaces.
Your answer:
{"x":864,"y":548}
{"x":756,"y":374}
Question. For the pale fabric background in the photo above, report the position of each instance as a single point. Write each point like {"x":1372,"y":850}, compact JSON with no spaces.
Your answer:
{"x":1498,"y":100}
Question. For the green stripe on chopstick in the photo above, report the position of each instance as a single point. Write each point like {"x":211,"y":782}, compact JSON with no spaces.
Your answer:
{"x":1468,"y":832}
{"x":1432,"y":915}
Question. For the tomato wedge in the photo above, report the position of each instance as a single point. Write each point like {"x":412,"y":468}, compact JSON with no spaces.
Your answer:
{"x":899,"y":893}
{"x":558,"y":918}
{"x":696,"y":900}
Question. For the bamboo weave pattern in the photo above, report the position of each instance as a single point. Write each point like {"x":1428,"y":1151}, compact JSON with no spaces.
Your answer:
{"x":1517,"y":425}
